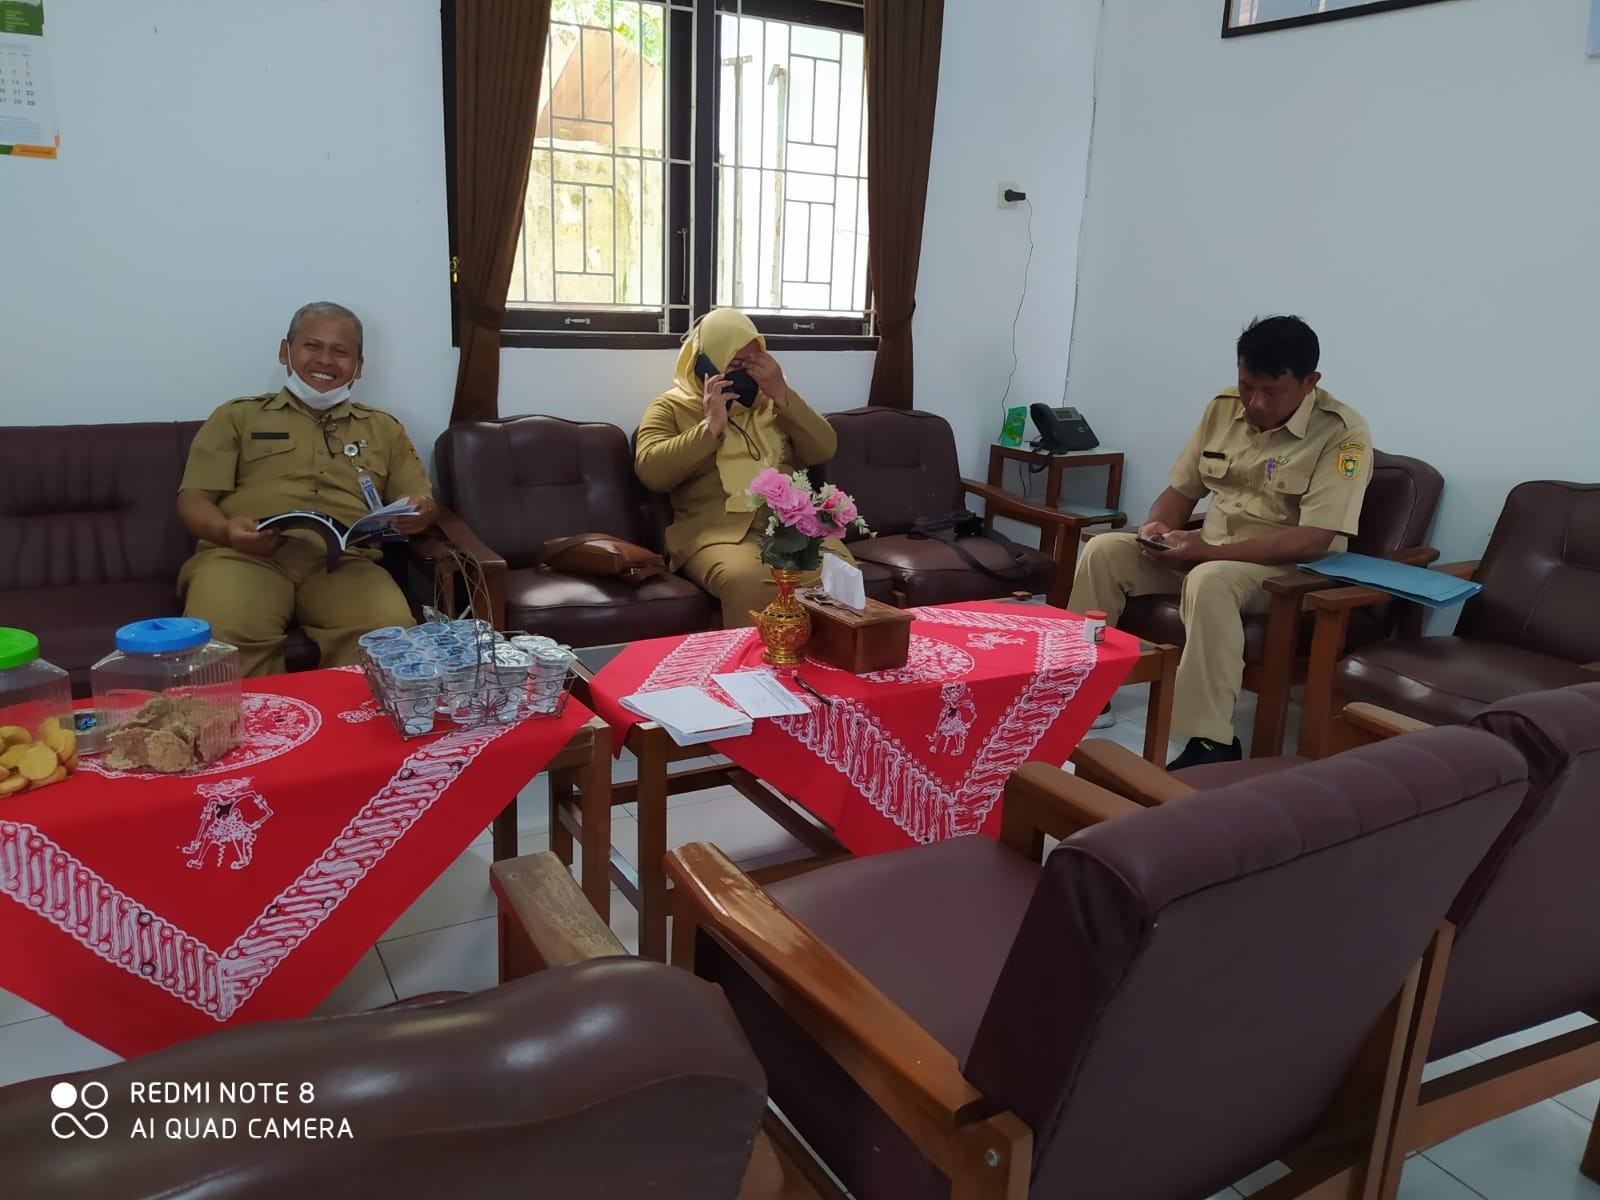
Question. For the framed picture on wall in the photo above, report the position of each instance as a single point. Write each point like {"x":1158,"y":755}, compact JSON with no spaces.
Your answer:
{"x":1240,"y":17}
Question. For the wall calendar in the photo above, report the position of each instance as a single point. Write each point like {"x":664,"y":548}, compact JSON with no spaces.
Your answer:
{"x":27,"y":100}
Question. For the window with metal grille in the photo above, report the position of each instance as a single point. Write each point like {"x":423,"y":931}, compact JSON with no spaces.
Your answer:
{"x":691,"y":154}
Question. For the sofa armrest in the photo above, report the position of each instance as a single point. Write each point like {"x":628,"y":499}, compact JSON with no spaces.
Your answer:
{"x":522,"y":1075}
{"x":911,"y":1077}
{"x":548,"y":914}
{"x":1381,"y":722}
{"x":1042,"y":800}
{"x":455,"y":534}
{"x":1117,"y":769}
{"x":1000,"y":503}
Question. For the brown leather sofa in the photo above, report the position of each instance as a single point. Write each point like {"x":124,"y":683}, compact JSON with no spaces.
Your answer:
{"x":519,"y":481}
{"x":1175,"y":998}
{"x":613,"y":1079}
{"x":1398,"y":511}
{"x":89,"y":536}
{"x":902,"y":465}
{"x":1531,"y":628}
{"x":1523,"y":923}
{"x":90,"y":539}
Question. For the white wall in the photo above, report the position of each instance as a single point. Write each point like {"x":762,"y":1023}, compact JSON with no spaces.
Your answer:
{"x":1421,"y":185}
{"x":1016,"y":89}
{"x":221,"y":164}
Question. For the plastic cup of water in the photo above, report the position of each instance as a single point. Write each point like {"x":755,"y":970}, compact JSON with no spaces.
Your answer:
{"x":414,"y":687}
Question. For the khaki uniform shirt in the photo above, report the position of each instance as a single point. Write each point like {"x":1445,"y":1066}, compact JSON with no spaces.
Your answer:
{"x":1312,"y":470}
{"x":267,"y":455}
{"x":676,"y":452}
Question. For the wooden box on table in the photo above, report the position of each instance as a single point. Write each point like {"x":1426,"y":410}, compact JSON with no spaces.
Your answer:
{"x":876,"y":639}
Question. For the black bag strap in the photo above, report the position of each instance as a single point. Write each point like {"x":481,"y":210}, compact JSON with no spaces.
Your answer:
{"x":942,"y":528}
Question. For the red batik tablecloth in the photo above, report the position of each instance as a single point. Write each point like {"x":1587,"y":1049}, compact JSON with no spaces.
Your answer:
{"x":913,"y":755}
{"x":145,"y":909}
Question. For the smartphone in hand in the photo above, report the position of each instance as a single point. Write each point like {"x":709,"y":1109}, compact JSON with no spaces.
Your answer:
{"x":1150,"y":544}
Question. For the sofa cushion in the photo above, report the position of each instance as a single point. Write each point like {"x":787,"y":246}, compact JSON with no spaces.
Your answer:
{"x":931,"y":572}
{"x":583,"y":610}
{"x":1446,"y":680}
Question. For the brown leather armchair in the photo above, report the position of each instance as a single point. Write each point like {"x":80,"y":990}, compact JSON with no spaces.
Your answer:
{"x":1523,"y":923}
{"x":1531,"y":627}
{"x":1174,"y":999}
{"x":90,"y":538}
{"x":902,"y":465}
{"x":1400,"y":504}
{"x":609,"y":1079}
{"x":519,"y":481}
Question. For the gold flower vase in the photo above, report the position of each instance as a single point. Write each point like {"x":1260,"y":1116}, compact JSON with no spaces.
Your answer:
{"x":784,"y":625}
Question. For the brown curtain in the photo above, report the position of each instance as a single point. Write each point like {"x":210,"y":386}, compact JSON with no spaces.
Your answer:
{"x":902,"y":86}
{"x":499,"y":52}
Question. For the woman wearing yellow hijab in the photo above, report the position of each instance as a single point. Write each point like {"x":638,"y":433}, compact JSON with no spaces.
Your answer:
{"x":700,"y":443}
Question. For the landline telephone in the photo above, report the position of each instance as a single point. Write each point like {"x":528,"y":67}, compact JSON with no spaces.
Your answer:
{"x":1061,"y":429}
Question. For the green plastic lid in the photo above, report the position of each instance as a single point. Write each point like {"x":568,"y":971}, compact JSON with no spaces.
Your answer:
{"x":18,"y":648}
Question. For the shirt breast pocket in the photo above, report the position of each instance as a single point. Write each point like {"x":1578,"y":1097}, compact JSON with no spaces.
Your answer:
{"x":1213,"y":472}
{"x":257,"y":448}
{"x":1290,"y":483}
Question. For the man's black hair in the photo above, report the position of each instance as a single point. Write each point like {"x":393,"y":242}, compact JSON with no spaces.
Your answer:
{"x":1273,"y":345}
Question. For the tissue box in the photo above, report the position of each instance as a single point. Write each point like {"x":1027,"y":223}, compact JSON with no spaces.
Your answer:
{"x":875,"y":640}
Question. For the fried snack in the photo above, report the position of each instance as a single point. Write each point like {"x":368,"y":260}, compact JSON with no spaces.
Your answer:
{"x":34,"y":761}
{"x":172,"y":735}
{"x":37,"y":763}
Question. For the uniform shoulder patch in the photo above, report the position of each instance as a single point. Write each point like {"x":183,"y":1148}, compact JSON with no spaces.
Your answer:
{"x":1350,"y":462}
{"x":1352,"y":445}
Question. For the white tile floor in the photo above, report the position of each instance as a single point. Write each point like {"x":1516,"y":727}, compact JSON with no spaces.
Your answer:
{"x":446,"y":940}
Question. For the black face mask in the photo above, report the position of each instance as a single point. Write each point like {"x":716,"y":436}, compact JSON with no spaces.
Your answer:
{"x":745,"y":387}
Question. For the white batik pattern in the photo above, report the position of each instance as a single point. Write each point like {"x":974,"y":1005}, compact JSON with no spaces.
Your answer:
{"x":41,"y":875}
{"x":273,"y":726}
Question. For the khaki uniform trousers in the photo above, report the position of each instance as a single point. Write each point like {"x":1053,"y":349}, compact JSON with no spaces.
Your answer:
{"x":249,"y":601}
{"x":1213,"y":599}
{"x":734,"y":573}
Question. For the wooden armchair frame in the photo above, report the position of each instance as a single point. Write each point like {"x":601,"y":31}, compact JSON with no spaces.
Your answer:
{"x":987,"y":1154}
{"x":1319,"y":735}
{"x":1058,"y":531}
{"x":436,"y":554}
{"x":1448,"y":1104}
{"x":1280,"y":667}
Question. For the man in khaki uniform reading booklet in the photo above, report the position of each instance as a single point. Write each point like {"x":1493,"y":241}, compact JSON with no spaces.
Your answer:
{"x":306,"y":446}
{"x":1285,"y":466}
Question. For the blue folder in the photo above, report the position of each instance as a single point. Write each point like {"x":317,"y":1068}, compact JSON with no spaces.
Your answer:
{"x":1419,"y":585}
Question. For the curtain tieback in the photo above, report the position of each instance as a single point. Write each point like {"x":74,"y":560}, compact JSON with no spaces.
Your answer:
{"x":895,"y":326}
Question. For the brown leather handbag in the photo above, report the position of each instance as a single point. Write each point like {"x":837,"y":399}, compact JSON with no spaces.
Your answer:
{"x":601,"y":555}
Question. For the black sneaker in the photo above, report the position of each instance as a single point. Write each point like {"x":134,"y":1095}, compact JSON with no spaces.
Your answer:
{"x":1201,"y":751}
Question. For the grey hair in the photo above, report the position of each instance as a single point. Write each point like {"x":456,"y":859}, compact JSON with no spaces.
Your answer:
{"x":326,"y":308}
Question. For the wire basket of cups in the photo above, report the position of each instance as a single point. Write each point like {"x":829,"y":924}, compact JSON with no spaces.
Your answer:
{"x":443,"y":675}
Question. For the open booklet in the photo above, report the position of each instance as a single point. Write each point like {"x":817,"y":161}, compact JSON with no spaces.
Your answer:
{"x":335,"y":533}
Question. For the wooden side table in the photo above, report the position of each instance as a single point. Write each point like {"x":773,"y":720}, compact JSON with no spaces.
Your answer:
{"x":1054,"y":465}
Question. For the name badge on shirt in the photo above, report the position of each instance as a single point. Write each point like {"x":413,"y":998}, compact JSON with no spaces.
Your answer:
{"x":369,"y":490}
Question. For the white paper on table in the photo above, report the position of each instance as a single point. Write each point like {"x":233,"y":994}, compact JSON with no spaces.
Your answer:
{"x":843,"y":582}
{"x":688,"y":714}
{"x":761,"y":695}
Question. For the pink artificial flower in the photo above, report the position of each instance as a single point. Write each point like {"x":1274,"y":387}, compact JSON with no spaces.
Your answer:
{"x":770,"y":484}
{"x":810,"y":526}
{"x":846,"y":512}
{"x":791,"y":506}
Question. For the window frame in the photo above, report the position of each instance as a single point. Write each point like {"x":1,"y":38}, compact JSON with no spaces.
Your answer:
{"x":692,"y":33}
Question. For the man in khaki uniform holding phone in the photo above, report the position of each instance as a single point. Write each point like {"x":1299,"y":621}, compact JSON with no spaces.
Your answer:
{"x":307,"y":446}
{"x":1286,"y":467}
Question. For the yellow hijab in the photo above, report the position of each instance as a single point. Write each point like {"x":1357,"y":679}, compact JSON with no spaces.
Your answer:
{"x":719,"y":335}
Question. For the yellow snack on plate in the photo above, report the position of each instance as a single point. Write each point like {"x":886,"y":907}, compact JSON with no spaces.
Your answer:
{"x":38,"y":763}
{"x":14,"y":735}
{"x":63,"y":741}
{"x":12,"y":756}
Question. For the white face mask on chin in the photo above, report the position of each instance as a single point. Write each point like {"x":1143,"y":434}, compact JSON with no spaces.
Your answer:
{"x":310,"y":397}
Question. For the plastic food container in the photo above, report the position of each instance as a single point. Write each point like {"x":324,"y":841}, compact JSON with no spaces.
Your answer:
{"x":37,"y":742}
{"x":168,"y":697}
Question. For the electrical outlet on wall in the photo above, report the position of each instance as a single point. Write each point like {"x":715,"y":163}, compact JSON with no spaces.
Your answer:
{"x":1001,"y":201}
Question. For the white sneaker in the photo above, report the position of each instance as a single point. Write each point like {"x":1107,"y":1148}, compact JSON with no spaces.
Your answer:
{"x":1105,"y":720}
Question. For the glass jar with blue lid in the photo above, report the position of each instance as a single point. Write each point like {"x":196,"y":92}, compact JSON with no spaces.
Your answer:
{"x":170,"y":674}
